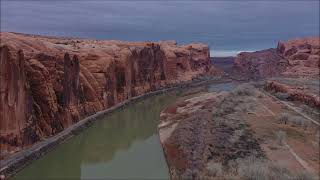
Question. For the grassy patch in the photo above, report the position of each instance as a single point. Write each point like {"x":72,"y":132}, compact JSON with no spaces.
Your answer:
{"x":253,"y":168}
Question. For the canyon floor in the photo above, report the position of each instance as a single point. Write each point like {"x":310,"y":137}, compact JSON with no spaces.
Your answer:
{"x":247,"y":133}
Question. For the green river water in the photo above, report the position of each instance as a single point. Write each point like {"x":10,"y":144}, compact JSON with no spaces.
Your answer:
{"x":122,"y":145}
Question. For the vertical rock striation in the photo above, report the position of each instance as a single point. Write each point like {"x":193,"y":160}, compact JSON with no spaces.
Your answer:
{"x":71,"y":78}
{"x":15,"y":101}
{"x":48,"y":84}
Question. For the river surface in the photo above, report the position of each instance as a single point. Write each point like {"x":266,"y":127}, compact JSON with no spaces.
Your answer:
{"x":229,"y":86}
{"x":122,"y":145}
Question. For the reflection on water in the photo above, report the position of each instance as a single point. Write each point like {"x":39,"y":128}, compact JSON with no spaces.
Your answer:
{"x":123,"y":145}
{"x":142,"y":160}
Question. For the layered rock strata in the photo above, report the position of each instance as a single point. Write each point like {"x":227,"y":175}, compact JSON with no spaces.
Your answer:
{"x":293,"y":58}
{"x":48,"y":83}
{"x":294,"y":93}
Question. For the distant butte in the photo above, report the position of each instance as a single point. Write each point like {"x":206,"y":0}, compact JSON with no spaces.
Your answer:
{"x":293,"y":58}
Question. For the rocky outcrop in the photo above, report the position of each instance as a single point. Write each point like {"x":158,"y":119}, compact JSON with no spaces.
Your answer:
{"x":294,"y":93}
{"x":303,"y":56}
{"x":259,"y":64}
{"x":48,"y":83}
{"x":294,"y":58}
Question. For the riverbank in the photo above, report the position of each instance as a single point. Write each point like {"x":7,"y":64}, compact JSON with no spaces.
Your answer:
{"x":16,"y":162}
{"x":236,"y":134}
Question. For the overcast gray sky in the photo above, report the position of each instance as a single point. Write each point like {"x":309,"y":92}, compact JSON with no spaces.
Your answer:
{"x":229,"y":25}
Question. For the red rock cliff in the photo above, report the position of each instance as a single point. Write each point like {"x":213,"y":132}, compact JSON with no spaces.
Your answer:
{"x":303,"y":56}
{"x":294,"y":58}
{"x":259,"y":64}
{"x":49,"y":83}
{"x":15,"y":113}
{"x":294,"y":93}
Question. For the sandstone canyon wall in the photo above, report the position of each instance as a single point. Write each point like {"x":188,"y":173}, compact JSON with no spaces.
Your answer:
{"x":48,"y":83}
{"x":303,"y":56}
{"x":293,"y":58}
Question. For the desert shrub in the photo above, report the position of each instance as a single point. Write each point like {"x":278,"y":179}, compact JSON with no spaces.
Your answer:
{"x":306,"y":124}
{"x":245,"y":106}
{"x":310,"y":110}
{"x":278,"y":172}
{"x":214,"y":169}
{"x":282,"y":96}
{"x":235,"y":101}
{"x":218,"y":113}
{"x":306,"y":109}
{"x":244,"y":90}
{"x":283,"y":118}
{"x":217,"y":121}
{"x":187,"y":174}
{"x":296,"y":120}
{"x":236,"y":135}
{"x":253,"y":168}
{"x":281,"y":136}
{"x":228,"y":106}
{"x":261,"y":95}
{"x":231,"y":177}
{"x":304,"y":176}
{"x":233,"y":167}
